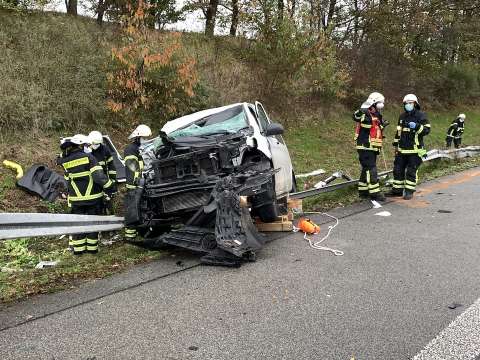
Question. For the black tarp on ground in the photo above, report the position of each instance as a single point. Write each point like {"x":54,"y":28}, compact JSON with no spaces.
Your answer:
{"x":43,"y":181}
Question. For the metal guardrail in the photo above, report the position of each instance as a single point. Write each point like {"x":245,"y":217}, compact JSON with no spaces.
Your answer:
{"x":312,"y":192}
{"x":17,"y":225}
{"x":469,"y":151}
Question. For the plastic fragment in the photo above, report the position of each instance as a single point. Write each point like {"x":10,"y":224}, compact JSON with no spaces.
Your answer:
{"x":375,"y":204}
{"x":454,"y":306}
{"x":44,"y":264}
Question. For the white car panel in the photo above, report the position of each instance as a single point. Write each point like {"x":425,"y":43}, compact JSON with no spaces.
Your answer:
{"x":270,"y":146}
{"x":280,"y":159}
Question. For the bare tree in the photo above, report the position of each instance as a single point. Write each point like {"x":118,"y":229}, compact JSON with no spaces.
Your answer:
{"x":210,"y":17}
{"x":235,"y":15}
{"x":71,"y":6}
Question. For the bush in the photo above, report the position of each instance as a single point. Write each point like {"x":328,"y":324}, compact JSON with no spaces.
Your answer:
{"x":292,"y":66}
{"x":457,"y":84}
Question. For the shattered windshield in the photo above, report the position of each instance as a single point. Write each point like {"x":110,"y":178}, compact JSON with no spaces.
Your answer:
{"x":226,"y":122}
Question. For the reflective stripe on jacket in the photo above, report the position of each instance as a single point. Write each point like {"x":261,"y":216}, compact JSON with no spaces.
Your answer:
{"x":105,"y":160}
{"x":368,"y":130}
{"x":86,"y":179}
{"x":410,"y":141}
{"x":456,"y":129}
{"x":133,"y":165}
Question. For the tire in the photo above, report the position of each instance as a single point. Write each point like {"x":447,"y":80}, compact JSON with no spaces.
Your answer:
{"x":267,"y":210}
{"x":268,"y":213}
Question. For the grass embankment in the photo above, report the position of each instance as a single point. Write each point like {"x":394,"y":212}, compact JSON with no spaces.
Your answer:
{"x":53,"y":83}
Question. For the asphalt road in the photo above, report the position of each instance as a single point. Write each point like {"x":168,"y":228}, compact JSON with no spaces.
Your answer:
{"x":388,"y":297}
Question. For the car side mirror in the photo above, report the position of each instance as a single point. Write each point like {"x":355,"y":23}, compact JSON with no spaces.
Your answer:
{"x":274,"y":129}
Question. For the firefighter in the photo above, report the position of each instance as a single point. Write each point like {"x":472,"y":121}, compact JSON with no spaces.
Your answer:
{"x":86,"y":186}
{"x":133,"y":171}
{"x":412,"y":126}
{"x":455,"y":131}
{"x":369,"y":139}
{"x":105,"y":159}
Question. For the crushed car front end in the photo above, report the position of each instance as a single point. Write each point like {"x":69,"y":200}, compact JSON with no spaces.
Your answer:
{"x":194,"y":185}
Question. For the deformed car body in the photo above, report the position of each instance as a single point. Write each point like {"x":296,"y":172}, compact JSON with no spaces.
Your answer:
{"x":196,"y":174}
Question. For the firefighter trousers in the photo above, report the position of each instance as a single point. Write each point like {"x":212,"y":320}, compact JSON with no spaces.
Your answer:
{"x":86,"y":242}
{"x":405,"y":172}
{"x":368,"y":183}
{"x":457,"y":141}
{"x":131,"y":213}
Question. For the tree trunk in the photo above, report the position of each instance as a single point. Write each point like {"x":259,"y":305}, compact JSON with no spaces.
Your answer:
{"x":71,"y":7}
{"x":234,"y":25}
{"x":100,"y":11}
{"x":355,"y":23}
{"x":210,"y":17}
{"x":280,"y":8}
{"x":293,"y":8}
{"x":331,"y":11}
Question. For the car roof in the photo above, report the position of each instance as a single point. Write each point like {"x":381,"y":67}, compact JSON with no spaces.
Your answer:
{"x":180,"y":122}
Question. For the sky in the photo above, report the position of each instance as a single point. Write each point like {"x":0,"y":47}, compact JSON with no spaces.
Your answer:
{"x":194,"y":22}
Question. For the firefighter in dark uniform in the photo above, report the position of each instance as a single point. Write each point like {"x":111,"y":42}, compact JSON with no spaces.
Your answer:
{"x":412,"y":126}
{"x":86,"y":185}
{"x":105,"y":160}
{"x":455,"y":131}
{"x":133,"y":171}
{"x":369,"y":139}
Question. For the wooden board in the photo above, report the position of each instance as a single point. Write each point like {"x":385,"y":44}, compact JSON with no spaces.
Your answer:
{"x":282,"y":224}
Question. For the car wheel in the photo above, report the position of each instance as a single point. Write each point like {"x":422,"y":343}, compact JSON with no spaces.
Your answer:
{"x":264,"y":205}
{"x":268,"y":212}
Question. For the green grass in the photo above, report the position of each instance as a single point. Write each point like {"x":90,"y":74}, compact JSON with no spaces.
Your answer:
{"x":19,"y":278}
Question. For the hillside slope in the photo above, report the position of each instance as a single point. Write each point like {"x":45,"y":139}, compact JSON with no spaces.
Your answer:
{"x":53,"y":83}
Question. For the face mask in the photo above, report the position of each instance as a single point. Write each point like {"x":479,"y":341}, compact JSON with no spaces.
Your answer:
{"x":461,"y":120}
{"x":143,"y":141}
{"x":409,"y":107}
{"x":95,"y":146}
{"x":379,"y":106}
{"x":87,"y":149}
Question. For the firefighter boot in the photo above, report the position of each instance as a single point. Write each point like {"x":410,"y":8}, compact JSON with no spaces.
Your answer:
{"x":362,"y":194}
{"x":408,"y":195}
{"x":378,"y":197}
{"x":394,"y":192}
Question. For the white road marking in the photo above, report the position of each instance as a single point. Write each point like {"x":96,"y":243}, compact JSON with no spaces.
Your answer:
{"x":458,"y":341}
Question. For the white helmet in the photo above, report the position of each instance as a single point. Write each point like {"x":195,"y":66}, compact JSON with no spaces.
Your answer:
{"x":95,"y":137}
{"x":141,"y":131}
{"x":79,"y":139}
{"x":373,"y":99}
{"x":376,"y":97}
{"x":410,"y":98}
{"x":462,"y":116}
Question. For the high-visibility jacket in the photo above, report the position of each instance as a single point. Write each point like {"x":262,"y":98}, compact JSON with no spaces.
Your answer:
{"x":133,"y":165}
{"x":410,"y":141}
{"x":368,"y":130}
{"x":86,"y":179}
{"x":456,"y":129}
{"x":105,"y":160}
